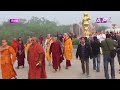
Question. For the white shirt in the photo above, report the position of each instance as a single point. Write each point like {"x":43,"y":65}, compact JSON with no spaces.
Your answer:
{"x":98,"y":37}
{"x":103,"y":36}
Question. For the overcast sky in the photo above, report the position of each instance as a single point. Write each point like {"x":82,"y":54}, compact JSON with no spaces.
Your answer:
{"x":63,"y":17}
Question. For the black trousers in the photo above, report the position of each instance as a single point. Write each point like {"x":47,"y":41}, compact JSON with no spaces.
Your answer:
{"x":85,"y":65}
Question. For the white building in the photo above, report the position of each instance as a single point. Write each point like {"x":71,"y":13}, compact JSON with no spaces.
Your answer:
{"x":113,"y":30}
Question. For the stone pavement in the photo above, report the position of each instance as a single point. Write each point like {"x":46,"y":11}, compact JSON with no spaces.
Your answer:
{"x":74,"y":72}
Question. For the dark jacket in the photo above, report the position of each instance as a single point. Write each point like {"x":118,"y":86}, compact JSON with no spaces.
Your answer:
{"x":112,"y":44}
{"x":95,"y":47}
{"x":118,"y":46}
{"x":114,"y":37}
{"x":87,"y":50}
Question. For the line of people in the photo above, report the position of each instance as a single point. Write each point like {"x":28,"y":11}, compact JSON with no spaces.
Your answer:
{"x":35,"y":55}
{"x":55,"y":52}
{"x":35,"y":58}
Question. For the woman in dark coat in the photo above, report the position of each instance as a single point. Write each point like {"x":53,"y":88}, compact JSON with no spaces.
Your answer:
{"x":20,"y":54}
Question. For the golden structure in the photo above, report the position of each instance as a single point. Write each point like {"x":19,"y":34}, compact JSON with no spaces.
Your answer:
{"x":86,"y":24}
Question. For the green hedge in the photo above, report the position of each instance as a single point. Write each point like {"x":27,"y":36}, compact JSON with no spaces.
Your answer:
{"x":75,"y":41}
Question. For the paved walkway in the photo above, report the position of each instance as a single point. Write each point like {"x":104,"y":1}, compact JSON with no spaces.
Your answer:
{"x":75,"y":72}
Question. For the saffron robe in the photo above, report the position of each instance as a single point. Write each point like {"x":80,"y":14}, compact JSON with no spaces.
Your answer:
{"x":34,"y":53}
{"x":68,"y":49}
{"x":7,"y":69}
{"x":48,"y":55}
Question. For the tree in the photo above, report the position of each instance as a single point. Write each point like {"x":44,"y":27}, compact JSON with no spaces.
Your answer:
{"x":34,"y":27}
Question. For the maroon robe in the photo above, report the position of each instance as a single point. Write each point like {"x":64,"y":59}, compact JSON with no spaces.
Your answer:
{"x":14,"y":44}
{"x":21,"y":57}
{"x":33,"y":58}
{"x":41,"y":39}
{"x":56,"y":51}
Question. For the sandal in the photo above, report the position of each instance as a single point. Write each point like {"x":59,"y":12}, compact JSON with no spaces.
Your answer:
{"x":66,"y":68}
{"x":17,"y":67}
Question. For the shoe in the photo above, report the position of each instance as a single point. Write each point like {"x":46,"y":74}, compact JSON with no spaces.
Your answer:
{"x":94,"y":68}
{"x":15,"y":77}
{"x":83,"y":73}
{"x":59,"y":69}
{"x":17,"y":67}
{"x":66,"y":68}
{"x":88,"y":75}
{"x":54,"y":71}
{"x":97,"y":71}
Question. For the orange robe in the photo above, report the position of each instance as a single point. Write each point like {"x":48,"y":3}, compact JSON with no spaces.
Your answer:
{"x":14,"y":45}
{"x":48,"y":55}
{"x":8,"y":71}
{"x":34,"y":52}
{"x":27,"y":46}
{"x":68,"y":49}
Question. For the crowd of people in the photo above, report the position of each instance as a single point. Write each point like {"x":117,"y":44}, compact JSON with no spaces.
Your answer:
{"x":99,"y":43}
{"x":57,"y":48}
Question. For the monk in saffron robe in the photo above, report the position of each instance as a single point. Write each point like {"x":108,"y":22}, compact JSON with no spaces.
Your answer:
{"x":27,"y":45}
{"x":14,"y":44}
{"x":7,"y":61}
{"x":36,"y":61}
{"x":20,"y":54}
{"x":56,"y":51}
{"x":67,"y":49}
{"x":48,"y":43}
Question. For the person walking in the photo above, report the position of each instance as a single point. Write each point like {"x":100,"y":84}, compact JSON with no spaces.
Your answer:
{"x":84,"y":52}
{"x":36,"y":61}
{"x":108,"y":45}
{"x":67,"y":50}
{"x":96,"y":53}
{"x":57,"y":55}
{"x":20,"y":54}
{"x":8,"y":71}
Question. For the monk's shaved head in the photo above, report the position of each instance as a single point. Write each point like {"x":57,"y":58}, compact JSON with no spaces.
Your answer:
{"x":15,"y":38}
{"x":4,"y":42}
{"x":66,"y":35}
{"x":34,"y":40}
{"x":54,"y":38}
{"x":48,"y":35}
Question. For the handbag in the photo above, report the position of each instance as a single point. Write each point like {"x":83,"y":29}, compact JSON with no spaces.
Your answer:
{"x":112,"y":52}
